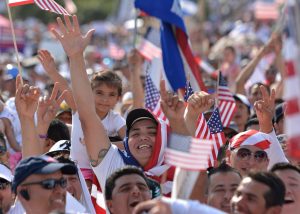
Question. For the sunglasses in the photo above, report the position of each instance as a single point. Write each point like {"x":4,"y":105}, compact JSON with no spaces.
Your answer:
{"x":50,"y":183}
{"x":245,"y":155}
{"x":4,"y":185}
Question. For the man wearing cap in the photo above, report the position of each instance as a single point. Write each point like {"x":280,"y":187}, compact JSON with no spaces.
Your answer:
{"x":39,"y":184}
{"x":243,"y":111}
{"x":146,"y":136}
{"x":279,"y":119}
{"x":6,"y":196}
{"x":257,"y":150}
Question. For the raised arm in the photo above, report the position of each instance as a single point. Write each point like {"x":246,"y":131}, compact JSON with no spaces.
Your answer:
{"x":135,"y":62}
{"x":198,"y":103}
{"x":46,"y":111}
{"x":50,"y":67}
{"x":74,"y":43}
{"x":26,"y":104}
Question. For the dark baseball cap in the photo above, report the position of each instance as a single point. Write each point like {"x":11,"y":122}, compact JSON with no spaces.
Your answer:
{"x":39,"y":165}
{"x":279,"y":112}
{"x":137,"y":115}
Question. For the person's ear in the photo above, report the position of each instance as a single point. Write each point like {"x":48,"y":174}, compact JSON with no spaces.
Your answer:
{"x":109,"y":205}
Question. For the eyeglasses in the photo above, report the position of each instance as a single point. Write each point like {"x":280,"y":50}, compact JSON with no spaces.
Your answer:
{"x":245,"y":155}
{"x":4,"y":185}
{"x":50,"y":183}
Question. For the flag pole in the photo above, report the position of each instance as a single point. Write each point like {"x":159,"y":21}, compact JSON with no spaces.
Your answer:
{"x":135,"y":28}
{"x":14,"y":41}
{"x":217,"y":99}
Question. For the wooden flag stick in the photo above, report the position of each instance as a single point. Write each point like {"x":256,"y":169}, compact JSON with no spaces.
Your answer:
{"x":14,"y":41}
{"x":135,"y":31}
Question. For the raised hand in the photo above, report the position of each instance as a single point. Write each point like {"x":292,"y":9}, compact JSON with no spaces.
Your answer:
{"x":70,"y":36}
{"x":265,"y":110}
{"x":48,"y":106}
{"x":171,"y":105}
{"x":26,"y":99}
{"x":47,"y":61}
{"x":199,"y":102}
{"x":135,"y":60}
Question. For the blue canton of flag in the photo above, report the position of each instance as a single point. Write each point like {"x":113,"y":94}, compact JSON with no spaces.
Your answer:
{"x":152,"y":94}
{"x":188,"y":91}
{"x":214,"y":123}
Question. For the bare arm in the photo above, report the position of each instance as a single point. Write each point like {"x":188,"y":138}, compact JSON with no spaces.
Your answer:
{"x":49,"y":65}
{"x":135,"y":61}
{"x":74,"y":43}
{"x":26,"y":104}
{"x":9,"y":133}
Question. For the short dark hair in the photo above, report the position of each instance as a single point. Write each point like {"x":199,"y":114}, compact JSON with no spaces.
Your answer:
{"x":222,"y":168}
{"x":259,"y":84}
{"x":58,"y":131}
{"x":111,"y":180}
{"x":252,"y":121}
{"x":274,"y":196}
{"x":284,"y":166}
{"x":109,"y":78}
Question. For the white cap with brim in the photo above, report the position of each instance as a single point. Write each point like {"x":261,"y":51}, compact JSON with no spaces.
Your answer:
{"x":5,"y":173}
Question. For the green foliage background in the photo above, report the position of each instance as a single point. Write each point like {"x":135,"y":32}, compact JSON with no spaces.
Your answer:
{"x":87,"y":10}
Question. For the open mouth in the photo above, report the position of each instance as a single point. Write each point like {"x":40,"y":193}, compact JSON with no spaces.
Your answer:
{"x":288,"y":201}
{"x":133,"y":204}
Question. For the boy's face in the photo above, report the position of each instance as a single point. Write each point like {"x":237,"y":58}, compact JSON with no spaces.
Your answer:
{"x":106,"y":97}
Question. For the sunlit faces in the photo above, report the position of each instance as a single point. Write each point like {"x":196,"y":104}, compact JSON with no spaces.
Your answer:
{"x":221,"y":189}
{"x":291,"y":180}
{"x":128,"y":192}
{"x":142,"y":139}
{"x":74,"y":187}
{"x":106,"y":98}
{"x":244,"y":163}
{"x":255,"y":94}
{"x":249,"y":198}
{"x":43,"y":200}
{"x":241,"y":115}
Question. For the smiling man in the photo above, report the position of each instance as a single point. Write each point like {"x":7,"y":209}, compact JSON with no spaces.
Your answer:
{"x":290,"y":175}
{"x":259,"y":193}
{"x":126,"y":188}
{"x":40,"y":185}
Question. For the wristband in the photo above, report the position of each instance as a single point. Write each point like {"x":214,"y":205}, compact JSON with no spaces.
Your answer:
{"x":42,"y":136}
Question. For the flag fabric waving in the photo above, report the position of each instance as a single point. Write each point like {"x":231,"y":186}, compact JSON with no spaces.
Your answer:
{"x":148,"y":50}
{"x":178,"y":58}
{"x":216,"y":130}
{"x":48,"y":5}
{"x":152,"y":99}
{"x":188,"y":91}
{"x":187,"y":152}
{"x":292,"y":81}
{"x":226,"y":102}
{"x":115,"y":51}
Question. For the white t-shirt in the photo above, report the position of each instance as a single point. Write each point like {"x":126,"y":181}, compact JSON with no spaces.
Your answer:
{"x":112,"y":123}
{"x":111,"y":162}
{"x":12,"y":115}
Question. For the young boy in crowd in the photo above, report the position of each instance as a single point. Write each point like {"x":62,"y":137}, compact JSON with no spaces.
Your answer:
{"x":107,"y":90}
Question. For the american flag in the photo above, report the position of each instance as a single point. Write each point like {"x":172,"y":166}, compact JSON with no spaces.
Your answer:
{"x":148,"y":50}
{"x":266,"y":10}
{"x":188,"y":91}
{"x":115,"y":51}
{"x":48,"y":5}
{"x":97,"y":197}
{"x":292,"y":81}
{"x":187,"y":152}
{"x":216,"y":130}
{"x":152,"y":98}
{"x":226,"y":102}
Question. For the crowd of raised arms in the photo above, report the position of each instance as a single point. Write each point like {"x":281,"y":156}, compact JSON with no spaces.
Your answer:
{"x":83,"y":142}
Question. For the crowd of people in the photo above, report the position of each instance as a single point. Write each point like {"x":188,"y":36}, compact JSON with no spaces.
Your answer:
{"x":82,"y":141}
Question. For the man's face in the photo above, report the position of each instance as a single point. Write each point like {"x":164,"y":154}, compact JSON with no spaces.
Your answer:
{"x":241,"y":115}
{"x":142,"y":139}
{"x":221,"y":189}
{"x":128,"y":192}
{"x":291,"y":180}
{"x":105,"y":98}
{"x":74,"y":187}
{"x":249,"y":198}
{"x":246,"y":158}
{"x":43,"y":200}
{"x":255,"y":94}
{"x":6,"y":197}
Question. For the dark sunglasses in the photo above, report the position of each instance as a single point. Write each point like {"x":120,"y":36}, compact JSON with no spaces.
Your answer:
{"x":245,"y":155}
{"x":4,"y":185}
{"x":50,"y":183}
